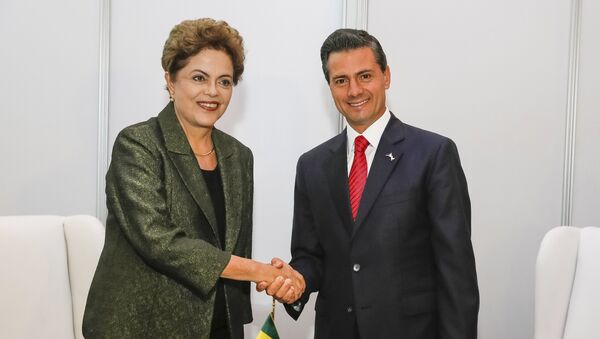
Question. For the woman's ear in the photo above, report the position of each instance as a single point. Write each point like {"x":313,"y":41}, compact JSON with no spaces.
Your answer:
{"x":170,"y":86}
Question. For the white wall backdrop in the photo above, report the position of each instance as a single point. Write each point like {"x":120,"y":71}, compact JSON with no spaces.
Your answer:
{"x":586,"y":199}
{"x":491,"y":75}
{"x":48,"y":91}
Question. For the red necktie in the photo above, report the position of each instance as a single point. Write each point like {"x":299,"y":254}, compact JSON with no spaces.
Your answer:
{"x":358,"y":173}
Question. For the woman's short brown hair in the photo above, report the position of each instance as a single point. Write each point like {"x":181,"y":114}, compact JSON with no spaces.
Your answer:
{"x":192,"y":36}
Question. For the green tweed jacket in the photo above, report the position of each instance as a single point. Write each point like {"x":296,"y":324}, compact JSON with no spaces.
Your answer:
{"x":161,"y":261}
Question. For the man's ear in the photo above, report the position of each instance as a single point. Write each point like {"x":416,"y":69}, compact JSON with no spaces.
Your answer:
{"x":387,"y":74}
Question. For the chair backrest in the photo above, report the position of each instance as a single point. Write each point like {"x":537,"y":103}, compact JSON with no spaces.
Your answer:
{"x":583,"y":318}
{"x":46,"y":264}
{"x":567,"y":284}
{"x":85,"y":238}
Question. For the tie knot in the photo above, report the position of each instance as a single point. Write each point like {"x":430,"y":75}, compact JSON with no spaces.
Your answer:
{"x":360,"y":144}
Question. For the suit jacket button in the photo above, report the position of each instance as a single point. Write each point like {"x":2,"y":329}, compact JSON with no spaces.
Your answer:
{"x":349,"y":309}
{"x":356,"y":267}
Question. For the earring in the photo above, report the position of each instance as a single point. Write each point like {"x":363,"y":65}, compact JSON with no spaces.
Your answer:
{"x":171,"y":97}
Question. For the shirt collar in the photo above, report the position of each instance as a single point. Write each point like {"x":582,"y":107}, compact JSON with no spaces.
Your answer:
{"x":373,"y":133}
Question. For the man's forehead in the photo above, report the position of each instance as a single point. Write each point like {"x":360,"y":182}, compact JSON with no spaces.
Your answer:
{"x":353,"y":61}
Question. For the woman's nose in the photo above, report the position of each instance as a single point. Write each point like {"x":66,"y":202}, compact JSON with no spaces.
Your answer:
{"x":211,"y":89}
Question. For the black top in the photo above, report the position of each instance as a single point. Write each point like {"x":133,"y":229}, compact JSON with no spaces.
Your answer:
{"x":215,"y":190}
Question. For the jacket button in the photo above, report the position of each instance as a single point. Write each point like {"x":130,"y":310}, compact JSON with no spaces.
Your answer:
{"x":356,"y":267}
{"x":349,"y":309}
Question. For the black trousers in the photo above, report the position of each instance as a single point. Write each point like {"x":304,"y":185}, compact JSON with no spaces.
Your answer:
{"x":219,"y":328}
{"x":219,"y":333}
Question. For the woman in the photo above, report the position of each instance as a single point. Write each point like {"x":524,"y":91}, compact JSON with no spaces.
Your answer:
{"x":179,"y":196}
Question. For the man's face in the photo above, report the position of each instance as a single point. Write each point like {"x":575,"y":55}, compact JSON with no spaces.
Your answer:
{"x":358,"y":86}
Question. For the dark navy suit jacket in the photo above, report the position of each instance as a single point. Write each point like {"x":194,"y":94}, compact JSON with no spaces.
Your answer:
{"x":405,"y":268}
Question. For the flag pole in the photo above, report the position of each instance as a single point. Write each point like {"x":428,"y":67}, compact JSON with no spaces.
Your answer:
{"x":273,"y":309}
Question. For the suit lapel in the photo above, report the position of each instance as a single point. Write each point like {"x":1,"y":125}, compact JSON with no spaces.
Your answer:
{"x":184,"y":160}
{"x":336,"y":168}
{"x":231,"y":177}
{"x":381,"y":168}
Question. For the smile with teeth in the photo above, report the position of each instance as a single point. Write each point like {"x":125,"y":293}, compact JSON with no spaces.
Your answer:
{"x":358,"y":104}
{"x":211,"y":106}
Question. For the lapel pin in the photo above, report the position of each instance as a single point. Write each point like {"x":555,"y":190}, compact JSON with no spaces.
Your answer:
{"x":391,"y":156}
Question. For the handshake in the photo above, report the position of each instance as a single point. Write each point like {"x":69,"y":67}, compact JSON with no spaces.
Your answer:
{"x":282,"y":282}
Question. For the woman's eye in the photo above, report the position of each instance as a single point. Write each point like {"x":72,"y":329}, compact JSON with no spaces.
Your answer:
{"x":225,"y":83}
{"x":198,"y":78}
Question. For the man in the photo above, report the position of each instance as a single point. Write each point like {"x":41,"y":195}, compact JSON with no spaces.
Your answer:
{"x":381,"y":216}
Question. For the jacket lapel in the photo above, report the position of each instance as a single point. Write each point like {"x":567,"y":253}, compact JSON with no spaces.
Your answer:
{"x":336,"y":169}
{"x":381,"y":168}
{"x":231,"y":176}
{"x":184,"y":160}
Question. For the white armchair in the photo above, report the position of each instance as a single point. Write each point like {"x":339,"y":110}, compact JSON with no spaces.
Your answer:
{"x":567,"y":284}
{"x":46,"y":267}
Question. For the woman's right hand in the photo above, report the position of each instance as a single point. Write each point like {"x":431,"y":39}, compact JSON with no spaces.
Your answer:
{"x":287,"y":287}
{"x":278,"y":278}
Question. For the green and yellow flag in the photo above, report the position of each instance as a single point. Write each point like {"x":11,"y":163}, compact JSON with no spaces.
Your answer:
{"x":268,"y":330}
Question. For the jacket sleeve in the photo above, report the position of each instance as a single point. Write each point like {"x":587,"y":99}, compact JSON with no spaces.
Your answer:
{"x":248,"y":204}
{"x":449,"y":210}
{"x":306,"y":250}
{"x":137,"y":198}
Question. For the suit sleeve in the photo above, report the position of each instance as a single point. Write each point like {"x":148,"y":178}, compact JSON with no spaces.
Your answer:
{"x":307,"y":253}
{"x":449,"y":210}
{"x":136,"y":196}
{"x":248,"y":204}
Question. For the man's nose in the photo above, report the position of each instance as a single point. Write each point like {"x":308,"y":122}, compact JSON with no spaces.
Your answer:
{"x":354,"y":88}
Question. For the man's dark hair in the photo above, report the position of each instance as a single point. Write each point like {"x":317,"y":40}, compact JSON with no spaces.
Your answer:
{"x":345,"y":39}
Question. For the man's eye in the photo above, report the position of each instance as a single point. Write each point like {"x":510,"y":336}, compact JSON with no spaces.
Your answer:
{"x":365,"y":76}
{"x":340,"y":81}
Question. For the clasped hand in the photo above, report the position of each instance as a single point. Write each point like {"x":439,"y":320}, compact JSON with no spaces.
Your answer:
{"x":288,"y":284}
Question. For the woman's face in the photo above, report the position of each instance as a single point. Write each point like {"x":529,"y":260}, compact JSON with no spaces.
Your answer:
{"x":202,"y":89}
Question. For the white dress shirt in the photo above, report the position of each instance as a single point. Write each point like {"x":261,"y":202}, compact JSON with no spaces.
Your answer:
{"x":373,"y":134}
